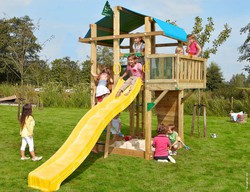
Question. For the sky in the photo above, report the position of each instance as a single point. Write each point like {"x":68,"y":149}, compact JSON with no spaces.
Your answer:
{"x":67,"y":20}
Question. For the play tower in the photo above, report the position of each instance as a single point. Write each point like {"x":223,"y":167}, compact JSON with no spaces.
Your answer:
{"x":167,"y":75}
{"x":166,"y":78}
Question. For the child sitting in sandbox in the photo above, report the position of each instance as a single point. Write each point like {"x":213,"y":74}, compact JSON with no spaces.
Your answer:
{"x":161,"y":143}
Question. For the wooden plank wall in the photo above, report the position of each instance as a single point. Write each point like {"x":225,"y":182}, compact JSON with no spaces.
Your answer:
{"x":167,"y":108}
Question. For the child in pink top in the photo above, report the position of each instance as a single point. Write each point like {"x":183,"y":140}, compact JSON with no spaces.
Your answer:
{"x":161,"y":143}
{"x":136,"y":72}
{"x":193,"y":48}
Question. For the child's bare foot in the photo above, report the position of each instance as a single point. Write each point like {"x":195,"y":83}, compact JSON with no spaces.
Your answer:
{"x":118,"y":93}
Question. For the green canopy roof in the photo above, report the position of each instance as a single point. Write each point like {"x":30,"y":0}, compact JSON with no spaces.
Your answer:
{"x":129,"y":21}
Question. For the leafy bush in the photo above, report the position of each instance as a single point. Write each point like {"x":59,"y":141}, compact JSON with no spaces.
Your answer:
{"x":218,"y":103}
{"x":52,"y":95}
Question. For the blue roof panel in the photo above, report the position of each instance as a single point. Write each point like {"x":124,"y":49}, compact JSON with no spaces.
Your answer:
{"x":171,"y":30}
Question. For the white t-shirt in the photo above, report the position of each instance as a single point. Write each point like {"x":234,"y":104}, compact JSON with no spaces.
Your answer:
{"x":115,"y":126}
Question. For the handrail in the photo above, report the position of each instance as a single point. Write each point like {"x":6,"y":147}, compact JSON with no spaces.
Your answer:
{"x":180,"y":68}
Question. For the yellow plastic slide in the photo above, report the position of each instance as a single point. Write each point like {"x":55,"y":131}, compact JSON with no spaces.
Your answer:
{"x":50,"y":175}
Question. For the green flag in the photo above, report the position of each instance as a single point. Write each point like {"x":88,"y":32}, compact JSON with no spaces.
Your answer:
{"x":107,"y":11}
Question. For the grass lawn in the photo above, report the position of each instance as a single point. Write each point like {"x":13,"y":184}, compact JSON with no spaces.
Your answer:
{"x":212,"y":164}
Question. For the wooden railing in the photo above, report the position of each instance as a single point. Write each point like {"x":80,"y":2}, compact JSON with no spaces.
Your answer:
{"x":184,"y":71}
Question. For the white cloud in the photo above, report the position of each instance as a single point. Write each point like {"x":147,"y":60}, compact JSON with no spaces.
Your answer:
{"x":14,"y":3}
{"x":168,"y":9}
{"x":13,"y":7}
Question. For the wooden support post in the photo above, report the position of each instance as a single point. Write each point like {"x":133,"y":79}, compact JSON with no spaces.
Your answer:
{"x":106,"y":149}
{"x":116,"y":42}
{"x":198,"y":119}
{"x":143,"y":113}
{"x":198,"y":123}
{"x":137,"y":129}
{"x":93,"y":57}
{"x":148,"y":126}
{"x":180,"y":115}
{"x":193,"y":121}
{"x":132,"y":118}
{"x":148,"y":95}
{"x":20,"y":106}
{"x":205,"y":121}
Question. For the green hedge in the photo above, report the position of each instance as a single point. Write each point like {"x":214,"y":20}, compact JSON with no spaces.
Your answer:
{"x":54,"y":95}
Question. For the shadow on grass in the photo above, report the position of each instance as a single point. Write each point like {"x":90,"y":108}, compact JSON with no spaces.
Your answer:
{"x":89,"y":161}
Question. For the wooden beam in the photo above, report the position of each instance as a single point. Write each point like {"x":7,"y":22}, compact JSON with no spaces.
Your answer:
{"x":119,"y":36}
{"x":156,"y":45}
{"x":159,"y":98}
{"x":187,"y":95}
{"x":166,"y":44}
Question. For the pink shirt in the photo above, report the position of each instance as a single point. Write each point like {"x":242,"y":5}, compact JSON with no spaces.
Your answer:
{"x":136,"y":70}
{"x":193,"y":48}
{"x":161,"y":143}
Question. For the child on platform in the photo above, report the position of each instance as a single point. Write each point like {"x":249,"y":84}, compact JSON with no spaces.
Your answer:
{"x":26,"y":132}
{"x":173,"y":135}
{"x":179,"y":50}
{"x":139,"y":48}
{"x":136,"y":72}
{"x":103,"y":79}
{"x":193,"y":48}
{"x":161,"y":143}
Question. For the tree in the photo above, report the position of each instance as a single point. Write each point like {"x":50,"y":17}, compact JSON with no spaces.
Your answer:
{"x":86,"y":67}
{"x":214,"y":77}
{"x":105,"y":56}
{"x":203,"y":35}
{"x":38,"y":72}
{"x":238,"y":80}
{"x":245,"y":48}
{"x":19,"y":46}
{"x":65,"y":71}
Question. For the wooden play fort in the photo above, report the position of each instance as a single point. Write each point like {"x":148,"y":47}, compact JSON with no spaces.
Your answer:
{"x":167,"y":75}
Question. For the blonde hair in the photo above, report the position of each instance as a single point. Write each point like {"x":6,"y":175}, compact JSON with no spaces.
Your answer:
{"x":179,"y":49}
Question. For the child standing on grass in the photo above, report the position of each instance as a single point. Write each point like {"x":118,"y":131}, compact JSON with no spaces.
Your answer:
{"x":193,"y":48}
{"x":173,"y":137}
{"x":136,"y":72}
{"x":26,"y":132}
{"x":161,"y":143}
{"x":116,"y":126}
{"x":103,"y":79}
